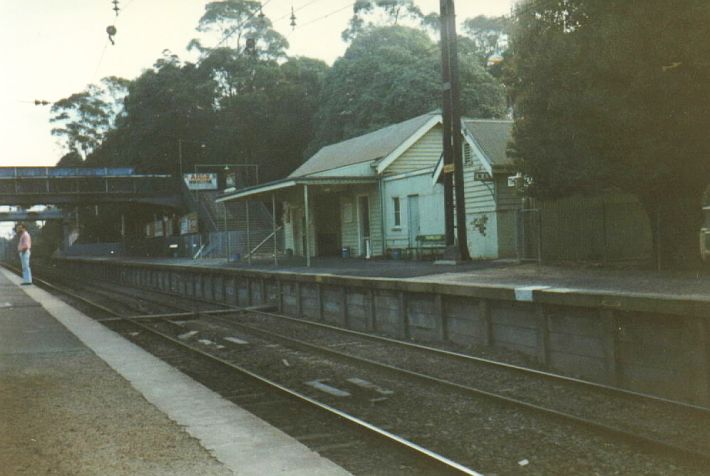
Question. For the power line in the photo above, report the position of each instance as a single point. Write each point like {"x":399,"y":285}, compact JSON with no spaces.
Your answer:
{"x":238,"y":27}
{"x":325,"y":16}
{"x":298,"y":9}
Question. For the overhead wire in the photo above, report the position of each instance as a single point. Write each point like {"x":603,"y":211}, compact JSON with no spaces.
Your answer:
{"x":325,"y":16}
{"x":244,"y":22}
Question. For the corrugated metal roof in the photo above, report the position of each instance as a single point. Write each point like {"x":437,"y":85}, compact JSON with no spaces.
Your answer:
{"x":492,"y":137}
{"x":372,"y":146}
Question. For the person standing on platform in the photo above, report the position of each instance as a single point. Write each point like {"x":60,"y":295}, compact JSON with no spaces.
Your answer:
{"x":24,"y":245}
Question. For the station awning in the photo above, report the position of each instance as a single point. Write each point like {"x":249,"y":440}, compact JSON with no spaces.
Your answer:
{"x":260,"y":191}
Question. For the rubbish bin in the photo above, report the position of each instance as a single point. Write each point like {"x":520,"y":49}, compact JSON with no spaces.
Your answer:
{"x":345,"y":252}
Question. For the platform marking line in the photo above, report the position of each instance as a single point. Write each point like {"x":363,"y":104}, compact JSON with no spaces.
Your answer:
{"x":242,"y":442}
{"x":525,"y":293}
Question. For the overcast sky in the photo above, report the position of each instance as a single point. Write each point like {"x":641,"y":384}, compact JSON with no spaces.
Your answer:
{"x":54,"y":48}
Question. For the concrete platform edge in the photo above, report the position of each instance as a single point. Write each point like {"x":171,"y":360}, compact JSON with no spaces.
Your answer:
{"x":242,"y":442}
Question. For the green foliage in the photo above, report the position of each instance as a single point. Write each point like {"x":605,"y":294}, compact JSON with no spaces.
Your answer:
{"x":614,"y":95}
{"x":369,"y":14}
{"x":489,"y":35}
{"x":71,"y":159}
{"x":390,"y":74}
{"x":236,"y":21}
{"x":83,"y":119}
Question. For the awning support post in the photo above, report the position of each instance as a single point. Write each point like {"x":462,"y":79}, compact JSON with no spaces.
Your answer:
{"x":246,"y":203}
{"x":273,"y":225}
{"x":308,"y":226}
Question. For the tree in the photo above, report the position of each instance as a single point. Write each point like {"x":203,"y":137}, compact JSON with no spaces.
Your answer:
{"x":390,"y":74}
{"x":83,"y":119}
{"x":71,"y":159}
{"x":169,"y":103}
{"x":598,"y":109}
{"x":488,"y":34}
{"x":241,"y":26}
{"x":369,"y":14}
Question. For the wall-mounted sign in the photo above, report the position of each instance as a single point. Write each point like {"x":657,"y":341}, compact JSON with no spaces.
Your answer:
{"x":201,"y":181}
{"x":482,"y":177}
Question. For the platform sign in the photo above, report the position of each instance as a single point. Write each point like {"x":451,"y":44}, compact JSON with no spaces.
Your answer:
{"x":201,"y":181}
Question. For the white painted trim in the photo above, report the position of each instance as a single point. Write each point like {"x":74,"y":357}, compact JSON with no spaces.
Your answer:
{"x":408,"y":174}
{"x":438,"y":170}
{"x":360,"y":237}
{"x":395,"y":154}
{"x":257,"y":191}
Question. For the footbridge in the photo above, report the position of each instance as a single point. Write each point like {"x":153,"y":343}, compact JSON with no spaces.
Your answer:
{"x":28,"y":186}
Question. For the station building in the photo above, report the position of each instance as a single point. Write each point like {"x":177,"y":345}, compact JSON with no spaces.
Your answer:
{"x":381,"y":193}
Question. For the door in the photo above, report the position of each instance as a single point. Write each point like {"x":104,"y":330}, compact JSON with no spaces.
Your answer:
{"x":413,"y":219}
{"x":363,"y":214}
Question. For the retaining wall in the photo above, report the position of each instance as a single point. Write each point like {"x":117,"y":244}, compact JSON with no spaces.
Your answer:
{"x":642,"y":343}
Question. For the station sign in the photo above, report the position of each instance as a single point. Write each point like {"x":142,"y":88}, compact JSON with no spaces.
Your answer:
{"x":201,"y":181}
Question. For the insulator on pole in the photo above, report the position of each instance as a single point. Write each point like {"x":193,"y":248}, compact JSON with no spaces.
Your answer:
{"x":293,"y":19}
{"x":111,"y":30}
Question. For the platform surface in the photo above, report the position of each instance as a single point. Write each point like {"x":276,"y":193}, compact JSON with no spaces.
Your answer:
{"x":692,"y":285}
{"x":77,"y":399}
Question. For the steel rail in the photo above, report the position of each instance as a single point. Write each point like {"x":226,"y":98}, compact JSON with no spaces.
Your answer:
{"x":601,"y":428}
{"x":493,"y":363}
{"x":358,"y":423}
{"x":470,"y":358}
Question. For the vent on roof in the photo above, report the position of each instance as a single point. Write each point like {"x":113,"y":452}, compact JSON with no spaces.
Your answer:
{"x":467,"y":154}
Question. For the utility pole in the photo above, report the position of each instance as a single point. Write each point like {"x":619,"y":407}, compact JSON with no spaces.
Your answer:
{"x":454,"y":200}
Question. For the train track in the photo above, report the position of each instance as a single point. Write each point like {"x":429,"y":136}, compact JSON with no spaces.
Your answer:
{"x":421,"y":460}
{"x":324,"y":341}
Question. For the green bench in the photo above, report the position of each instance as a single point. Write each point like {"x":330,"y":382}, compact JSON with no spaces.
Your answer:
{"x":430,"y":245}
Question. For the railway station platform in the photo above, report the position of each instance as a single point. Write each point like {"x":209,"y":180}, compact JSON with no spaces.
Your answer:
{"x":509,"y":274}
{"x":77,"y":399}
{"x":643,"y":331}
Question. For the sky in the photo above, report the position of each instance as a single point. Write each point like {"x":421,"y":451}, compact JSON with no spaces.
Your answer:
{"x":54,"y":48}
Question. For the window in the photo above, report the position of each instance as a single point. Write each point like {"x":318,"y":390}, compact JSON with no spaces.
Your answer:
{"x":397,"y":211}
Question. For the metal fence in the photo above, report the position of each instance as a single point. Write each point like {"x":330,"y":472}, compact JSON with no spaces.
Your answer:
{"x":603,"y":229}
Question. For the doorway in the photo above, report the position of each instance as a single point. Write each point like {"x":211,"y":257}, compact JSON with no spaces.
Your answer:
{"x":363,"y":215}
{"x":413,"y":219}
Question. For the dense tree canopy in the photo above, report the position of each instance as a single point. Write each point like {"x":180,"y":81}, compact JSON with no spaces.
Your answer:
{"x":82,"y":120}
{"x":615,"y":94}
{"x":243,"y":101}
{"x":389,"y":74}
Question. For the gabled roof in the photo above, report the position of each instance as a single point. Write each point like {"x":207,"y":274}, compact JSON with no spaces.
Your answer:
{"x":491,"y":137}
{"x":373,"y":146}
